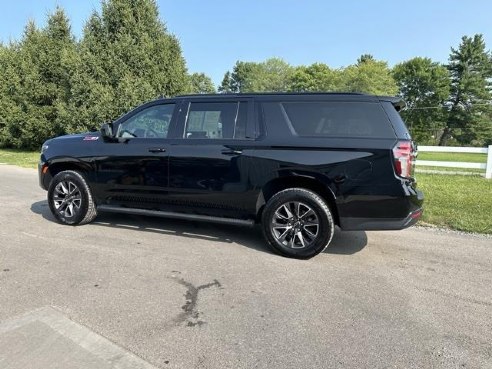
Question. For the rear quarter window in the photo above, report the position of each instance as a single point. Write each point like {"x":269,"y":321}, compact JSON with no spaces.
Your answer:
{"x":398,"y":123}
{"x":332,"y":119}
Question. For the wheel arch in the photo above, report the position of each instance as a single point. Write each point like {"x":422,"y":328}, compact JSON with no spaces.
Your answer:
{"x":282,"y":183}
{"x":59,"y":165}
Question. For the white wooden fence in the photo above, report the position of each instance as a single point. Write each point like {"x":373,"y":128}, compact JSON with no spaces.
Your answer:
{"x":457,"y":164}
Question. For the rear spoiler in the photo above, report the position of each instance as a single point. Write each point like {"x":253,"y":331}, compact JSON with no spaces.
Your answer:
{"x":397,"y":102}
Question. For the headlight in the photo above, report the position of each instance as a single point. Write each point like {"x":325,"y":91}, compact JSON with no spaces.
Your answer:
{"x":44,"y":148}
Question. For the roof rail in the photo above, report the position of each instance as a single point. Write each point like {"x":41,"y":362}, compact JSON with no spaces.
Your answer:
{"x":273,"y":93}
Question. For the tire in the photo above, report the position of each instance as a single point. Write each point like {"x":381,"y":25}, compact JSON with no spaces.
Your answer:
{"x":80,"y":207}
{"x":297,"y":223}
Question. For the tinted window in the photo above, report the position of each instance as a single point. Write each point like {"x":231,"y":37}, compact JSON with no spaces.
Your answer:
{"x":242,"y":116}
{"x":152,"y":122}
{"x":398,"y":123}
{"x":335,"y":119}
{"x":216,"y":120}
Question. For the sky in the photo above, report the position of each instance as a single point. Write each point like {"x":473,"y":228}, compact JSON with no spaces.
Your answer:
{"x":214,"y":34}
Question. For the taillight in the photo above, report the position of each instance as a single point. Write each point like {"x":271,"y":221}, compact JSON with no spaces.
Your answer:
{"x":403,"y":155}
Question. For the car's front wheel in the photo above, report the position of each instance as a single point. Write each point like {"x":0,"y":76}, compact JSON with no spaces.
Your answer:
{"x":70,"y":199}
{"x":297,"y":223}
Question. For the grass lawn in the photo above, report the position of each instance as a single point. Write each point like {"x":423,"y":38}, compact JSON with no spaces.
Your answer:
{"x":421,"y":169}
{"x":458,"y":202}
{"x":26,"y":159}
{"x":453,"y":156}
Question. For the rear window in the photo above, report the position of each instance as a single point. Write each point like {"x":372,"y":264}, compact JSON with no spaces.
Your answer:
{"x":334,"y":119}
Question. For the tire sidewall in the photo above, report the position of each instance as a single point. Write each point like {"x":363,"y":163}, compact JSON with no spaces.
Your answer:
{"x":75,"y":178}
{"x":326,"y":224}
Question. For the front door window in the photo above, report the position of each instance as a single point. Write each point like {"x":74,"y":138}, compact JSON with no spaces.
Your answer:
{"x":152,"y":122}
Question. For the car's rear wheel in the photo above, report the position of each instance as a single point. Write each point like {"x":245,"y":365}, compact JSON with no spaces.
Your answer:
{"x":297,"y":223}
{"x":70,"y":199}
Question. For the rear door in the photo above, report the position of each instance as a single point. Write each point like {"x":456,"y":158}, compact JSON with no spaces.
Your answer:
{"x":210,"y":158}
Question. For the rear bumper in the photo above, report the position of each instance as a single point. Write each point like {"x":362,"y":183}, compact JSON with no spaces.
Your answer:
{"x":415,"y":211}
{"x":381,"y":224}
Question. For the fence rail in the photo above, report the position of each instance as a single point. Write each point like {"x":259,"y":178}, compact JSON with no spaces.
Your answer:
{"x":458,"y":164}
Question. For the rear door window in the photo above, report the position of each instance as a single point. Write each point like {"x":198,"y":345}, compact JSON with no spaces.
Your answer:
{"x":216,"y":120}
{"x":332,"y":119}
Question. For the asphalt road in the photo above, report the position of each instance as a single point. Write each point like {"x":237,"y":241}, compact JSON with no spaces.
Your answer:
{"x":191,"y":295}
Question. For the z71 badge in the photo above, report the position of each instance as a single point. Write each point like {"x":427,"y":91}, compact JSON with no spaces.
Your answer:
{"x":91,"y":138}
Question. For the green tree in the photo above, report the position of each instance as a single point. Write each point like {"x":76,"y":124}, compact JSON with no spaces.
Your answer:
{"x":470,"y":67}
{"x":225,"y":86}
{"x":424,"y":85}
{"x":369,"y":76}
{"x":37,"y":82}
{"x":365,"y":58}
{"x":126,"y":57}
{"x":201,"y":84}
{"x":9,"y":90}
{"x":315,"y":77}
{"x":244,"y":77}
{"x":272,"y":75}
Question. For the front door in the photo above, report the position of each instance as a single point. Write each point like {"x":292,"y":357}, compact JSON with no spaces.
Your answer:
{"x":134,"y":171}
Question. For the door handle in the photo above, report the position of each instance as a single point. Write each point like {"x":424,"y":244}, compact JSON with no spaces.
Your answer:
{"x":157,"y":149}
{"x":339,"y":179}
{"x":232,"y":152}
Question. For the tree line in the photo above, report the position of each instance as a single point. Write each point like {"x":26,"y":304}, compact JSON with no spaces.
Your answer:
{"x":52,"y":83}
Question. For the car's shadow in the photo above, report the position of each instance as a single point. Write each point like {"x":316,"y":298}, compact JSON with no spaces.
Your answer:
{"x":344,"y":243}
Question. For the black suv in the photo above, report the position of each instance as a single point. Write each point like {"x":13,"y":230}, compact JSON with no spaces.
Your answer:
{"x":298,"y":164}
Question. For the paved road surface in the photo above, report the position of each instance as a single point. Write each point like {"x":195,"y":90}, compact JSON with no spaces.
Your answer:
{"x":178,"y":294}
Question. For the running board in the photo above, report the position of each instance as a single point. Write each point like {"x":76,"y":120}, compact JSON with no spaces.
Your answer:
{"x":174,"y":215}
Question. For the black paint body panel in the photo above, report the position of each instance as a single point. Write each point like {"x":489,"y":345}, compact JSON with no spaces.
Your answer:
{"x":229,"y":178}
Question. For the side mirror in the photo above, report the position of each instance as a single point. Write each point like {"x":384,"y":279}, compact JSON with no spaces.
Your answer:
{"x":107,"y":132}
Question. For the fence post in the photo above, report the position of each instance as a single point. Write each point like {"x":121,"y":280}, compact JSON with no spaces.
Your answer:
{"x":488,"y":169}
